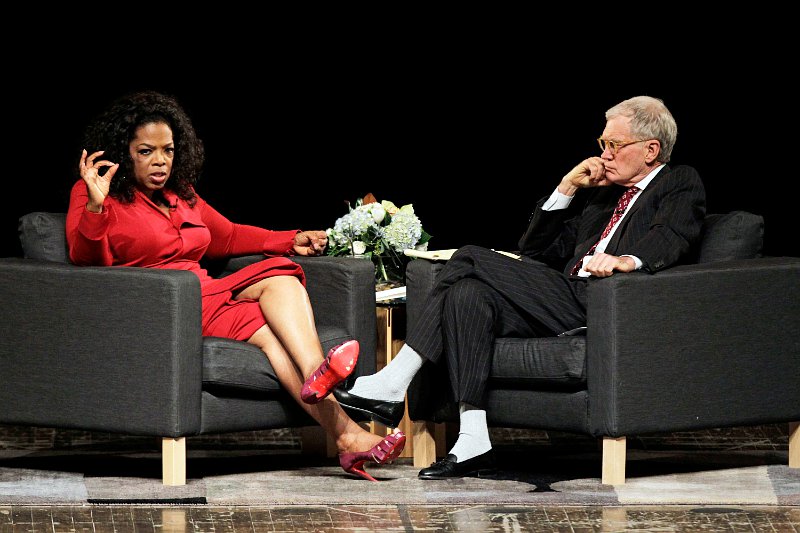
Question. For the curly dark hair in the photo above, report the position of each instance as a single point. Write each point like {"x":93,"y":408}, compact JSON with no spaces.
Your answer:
{"x":115,"y":128}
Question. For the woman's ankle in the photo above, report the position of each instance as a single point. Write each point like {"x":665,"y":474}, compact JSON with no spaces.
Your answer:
{"x":360,"y":441}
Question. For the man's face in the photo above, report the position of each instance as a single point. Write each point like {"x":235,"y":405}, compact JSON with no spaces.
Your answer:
{"x":628,"y":163}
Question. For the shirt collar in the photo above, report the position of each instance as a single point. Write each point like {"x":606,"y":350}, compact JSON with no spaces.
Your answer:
{"x":647,"y":179}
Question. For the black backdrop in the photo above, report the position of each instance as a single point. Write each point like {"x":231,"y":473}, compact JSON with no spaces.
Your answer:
{"x":471,"y":142}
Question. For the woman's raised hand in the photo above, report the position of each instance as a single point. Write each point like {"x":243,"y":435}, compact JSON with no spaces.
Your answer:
{"x":97,"y":186}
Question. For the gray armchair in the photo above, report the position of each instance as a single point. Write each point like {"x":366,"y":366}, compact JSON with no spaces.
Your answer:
{"x":703,"y":345}
{"x":120,"y":349}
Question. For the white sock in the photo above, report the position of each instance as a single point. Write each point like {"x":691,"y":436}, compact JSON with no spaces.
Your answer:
{"x":391,"y":382}
{"x":473,"y":433}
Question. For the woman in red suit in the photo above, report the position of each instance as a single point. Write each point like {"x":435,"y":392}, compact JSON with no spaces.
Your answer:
{"x":136,"y":206}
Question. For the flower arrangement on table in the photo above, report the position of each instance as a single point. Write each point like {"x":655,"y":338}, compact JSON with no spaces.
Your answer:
{"x":379,"y":231}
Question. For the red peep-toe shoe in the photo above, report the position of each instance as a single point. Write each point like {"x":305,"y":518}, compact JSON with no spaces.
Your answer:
{"x":339,"y":363}
{"x":386,"y":450}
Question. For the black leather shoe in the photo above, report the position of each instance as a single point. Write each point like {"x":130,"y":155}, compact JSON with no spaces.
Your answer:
{"x":479,"y":466}
{"x":363,"y":409}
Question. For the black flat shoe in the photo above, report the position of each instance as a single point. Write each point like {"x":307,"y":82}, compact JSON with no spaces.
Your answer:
{"x":363,"y":409}
{"x":479,"y":466}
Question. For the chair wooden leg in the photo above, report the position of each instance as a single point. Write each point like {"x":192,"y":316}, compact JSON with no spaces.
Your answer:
{"x":424,"y":444}
{"x":613,"y":461}
{"x":173,"y":461}
{"x":794,"y":445}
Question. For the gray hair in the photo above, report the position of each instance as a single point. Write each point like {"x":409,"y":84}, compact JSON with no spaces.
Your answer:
{"x":650,"y":119}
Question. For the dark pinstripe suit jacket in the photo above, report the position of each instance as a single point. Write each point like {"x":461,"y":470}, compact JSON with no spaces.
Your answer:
{"x":663,"y":225}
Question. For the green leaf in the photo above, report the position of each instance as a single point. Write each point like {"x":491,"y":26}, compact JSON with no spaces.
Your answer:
{"x":425,"y":237}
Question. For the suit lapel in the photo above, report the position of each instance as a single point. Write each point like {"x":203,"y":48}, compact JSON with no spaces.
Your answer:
{"x":641,"y":203}
{"x":598,"y":213}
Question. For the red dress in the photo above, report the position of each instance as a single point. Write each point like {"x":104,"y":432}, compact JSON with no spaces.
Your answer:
{"x":140,"y":234}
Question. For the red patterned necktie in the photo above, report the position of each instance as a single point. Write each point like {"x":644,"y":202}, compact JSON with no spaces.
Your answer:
{"x":622,"y":205}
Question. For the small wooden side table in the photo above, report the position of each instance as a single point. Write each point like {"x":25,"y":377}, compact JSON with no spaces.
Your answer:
{"x":391,"y":325}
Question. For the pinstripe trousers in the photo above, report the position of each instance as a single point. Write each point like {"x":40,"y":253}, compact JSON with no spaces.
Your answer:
{"x":480,"y":295}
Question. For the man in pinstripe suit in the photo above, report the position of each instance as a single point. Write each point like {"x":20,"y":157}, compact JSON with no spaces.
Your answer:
{"x":622,"y":211}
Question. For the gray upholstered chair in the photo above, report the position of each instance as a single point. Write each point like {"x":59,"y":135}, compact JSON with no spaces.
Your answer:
{"x":120,"y":350}
{"x":704,"y":345}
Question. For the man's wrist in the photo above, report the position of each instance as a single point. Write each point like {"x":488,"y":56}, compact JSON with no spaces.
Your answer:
{"x":637,"y":263}
{"x":567,"y":189}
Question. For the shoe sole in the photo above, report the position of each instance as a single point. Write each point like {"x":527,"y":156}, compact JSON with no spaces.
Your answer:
{"x":484,"y":473}
{"x":342,"y":368}
{"x":338,"y":371}
{"x":369,"y":415}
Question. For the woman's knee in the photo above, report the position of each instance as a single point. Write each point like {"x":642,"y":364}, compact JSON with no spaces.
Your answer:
{"x":283,"y":281}
{"x":273,"y":285}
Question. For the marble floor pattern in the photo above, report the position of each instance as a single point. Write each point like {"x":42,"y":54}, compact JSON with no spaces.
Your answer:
{"x":241,"y":516}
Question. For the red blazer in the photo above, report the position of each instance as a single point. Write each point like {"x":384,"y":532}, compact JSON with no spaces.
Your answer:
{"x":139,"y":234}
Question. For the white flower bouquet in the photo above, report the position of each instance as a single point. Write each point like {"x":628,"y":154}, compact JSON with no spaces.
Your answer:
{"x":379,"y":231}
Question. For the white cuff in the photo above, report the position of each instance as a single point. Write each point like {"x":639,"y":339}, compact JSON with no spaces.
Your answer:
{"x":557,"y":201}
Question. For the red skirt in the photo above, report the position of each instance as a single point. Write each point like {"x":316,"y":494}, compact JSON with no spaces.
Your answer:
{"x":240,"y":319}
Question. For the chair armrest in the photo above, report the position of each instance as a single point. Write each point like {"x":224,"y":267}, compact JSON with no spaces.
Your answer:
{"x":698,"y":346}
{"x":100,"y":348}
{"x":342,"y":293}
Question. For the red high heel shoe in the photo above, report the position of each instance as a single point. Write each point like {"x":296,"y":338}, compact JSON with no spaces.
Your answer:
{"x":339,"y":363}
{"x":386,"y":450}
